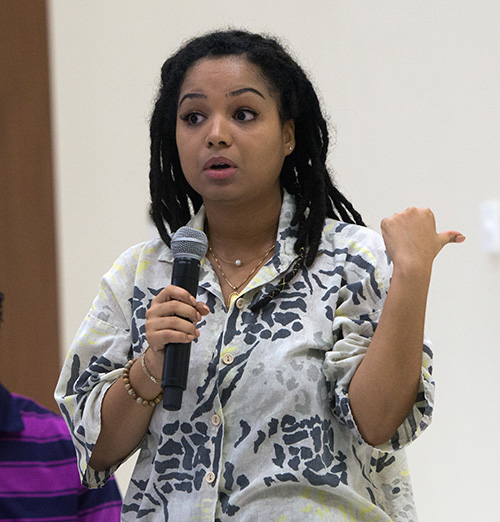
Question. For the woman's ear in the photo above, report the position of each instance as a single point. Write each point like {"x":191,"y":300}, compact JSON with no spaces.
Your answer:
{"x":289,"y":136}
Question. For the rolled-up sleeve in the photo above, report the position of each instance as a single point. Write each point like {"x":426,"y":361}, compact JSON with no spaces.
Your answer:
{"x":100,"y":350}
{"x":355,"y":321}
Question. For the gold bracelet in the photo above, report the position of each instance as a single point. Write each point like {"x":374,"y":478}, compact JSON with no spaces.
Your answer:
{"x":133,"y":393}
{"x":146,"y":371}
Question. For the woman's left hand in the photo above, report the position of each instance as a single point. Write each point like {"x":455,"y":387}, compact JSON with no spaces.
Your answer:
{"x":411,"y":239}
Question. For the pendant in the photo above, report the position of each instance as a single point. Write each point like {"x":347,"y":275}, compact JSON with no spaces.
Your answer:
{"x":232,"y":298}
{"x":238,"y":262}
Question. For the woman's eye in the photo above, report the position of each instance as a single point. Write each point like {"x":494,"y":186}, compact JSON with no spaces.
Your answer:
{"x":245,"y":115}
{"x":192,"y":118}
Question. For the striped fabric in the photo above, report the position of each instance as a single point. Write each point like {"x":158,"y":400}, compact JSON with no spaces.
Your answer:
{"x":39,"y":480}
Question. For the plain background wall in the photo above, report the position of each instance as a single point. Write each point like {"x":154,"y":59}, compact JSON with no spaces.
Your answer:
{"x":412,"y":89}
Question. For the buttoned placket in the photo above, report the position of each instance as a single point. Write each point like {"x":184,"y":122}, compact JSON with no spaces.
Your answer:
{"x":229,"y":353}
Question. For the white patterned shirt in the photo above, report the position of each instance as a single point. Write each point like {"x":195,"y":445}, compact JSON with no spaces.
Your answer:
{"x":265,"y":432}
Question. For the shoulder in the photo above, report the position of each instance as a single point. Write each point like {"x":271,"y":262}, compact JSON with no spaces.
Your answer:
{"x":140,"y":258}
{"x":140,"y":266}
{"x":26,"y":404}
{"x":153,"y":250}
{"x":353,"y":238}
{"x":360,"y":251}
{"x":40,"y":421}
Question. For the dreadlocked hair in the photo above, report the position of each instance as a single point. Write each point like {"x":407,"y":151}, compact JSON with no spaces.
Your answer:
{"x":304,"y":173}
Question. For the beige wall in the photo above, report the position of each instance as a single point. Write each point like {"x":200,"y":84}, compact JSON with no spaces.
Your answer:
{"x":413,"y":90}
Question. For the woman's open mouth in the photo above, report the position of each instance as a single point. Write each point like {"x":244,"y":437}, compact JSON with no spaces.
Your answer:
{"x":219,"y":168}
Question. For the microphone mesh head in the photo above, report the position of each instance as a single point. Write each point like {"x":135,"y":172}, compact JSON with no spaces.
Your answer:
{"x":189,"y":242}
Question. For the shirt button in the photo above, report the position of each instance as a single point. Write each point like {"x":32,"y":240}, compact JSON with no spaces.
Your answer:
{"x":228,"y":358}
{"x":216,"y":420}
{"x":240,"y":303}
{"x":210,"y":477}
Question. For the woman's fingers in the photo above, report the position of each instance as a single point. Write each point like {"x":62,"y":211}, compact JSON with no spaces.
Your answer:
{"x":451,"y":236}
{"x":169,"y":308}
{"x":202,"y":308}
{"x":172,"y":318}
{"x":172,"y":329}
{"x":410,"y":237}
{"x":175,"y":292}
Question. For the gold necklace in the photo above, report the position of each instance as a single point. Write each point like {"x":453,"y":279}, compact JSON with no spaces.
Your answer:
{"x":236,"y":262}
{"x":236,"y":288}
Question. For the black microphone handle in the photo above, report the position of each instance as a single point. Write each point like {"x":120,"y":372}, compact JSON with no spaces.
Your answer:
{"x":185,"y":274}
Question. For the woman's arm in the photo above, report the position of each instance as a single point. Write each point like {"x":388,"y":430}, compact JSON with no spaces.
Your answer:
{"x":384,"y":388}
{"x":171,"y":318}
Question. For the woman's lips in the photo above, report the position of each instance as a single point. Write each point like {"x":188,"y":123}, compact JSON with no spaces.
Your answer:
{"x":220,"y":173}
{"x":219,"y":168}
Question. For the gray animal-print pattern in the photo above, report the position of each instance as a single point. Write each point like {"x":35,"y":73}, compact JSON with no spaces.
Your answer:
{"x":271,"y":432}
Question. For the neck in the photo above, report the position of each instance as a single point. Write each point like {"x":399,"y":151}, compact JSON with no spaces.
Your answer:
{"x":234,"y":231}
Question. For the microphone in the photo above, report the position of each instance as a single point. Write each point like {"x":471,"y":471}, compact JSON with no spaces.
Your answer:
{"x":188,"y":246}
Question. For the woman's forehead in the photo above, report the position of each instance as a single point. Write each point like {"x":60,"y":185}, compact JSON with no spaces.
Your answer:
{"x":226,"y":73}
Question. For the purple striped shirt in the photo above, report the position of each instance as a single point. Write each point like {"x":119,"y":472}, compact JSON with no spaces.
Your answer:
{"x":39,"y":479}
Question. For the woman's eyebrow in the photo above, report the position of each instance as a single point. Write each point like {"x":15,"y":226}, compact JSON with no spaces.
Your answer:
{"x":191,"y":96}
{"x":238,"y":92}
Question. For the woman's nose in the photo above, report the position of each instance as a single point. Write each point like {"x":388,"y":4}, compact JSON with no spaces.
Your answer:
{"x":219,"y":134}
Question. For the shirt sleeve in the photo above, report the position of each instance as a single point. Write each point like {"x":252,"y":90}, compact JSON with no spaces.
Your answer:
{"x":100,"y":505}
{"x":367,"y":274}
{"x":100,"y":350}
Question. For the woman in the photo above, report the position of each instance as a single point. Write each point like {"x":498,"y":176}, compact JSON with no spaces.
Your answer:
{"x":296,"y":408}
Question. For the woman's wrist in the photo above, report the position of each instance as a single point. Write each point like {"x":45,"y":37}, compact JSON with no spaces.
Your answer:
{"x":140,"y":399}
{"x":413,"y":271}
{"x":156,"y":380}
{"x":141,"y":383}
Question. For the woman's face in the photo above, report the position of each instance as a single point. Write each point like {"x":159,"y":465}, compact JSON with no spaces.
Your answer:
{"x":230,"y":138}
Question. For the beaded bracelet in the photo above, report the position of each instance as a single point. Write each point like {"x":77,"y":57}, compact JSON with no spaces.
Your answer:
{"x":133,"y":393}
{"x":145,"y":368}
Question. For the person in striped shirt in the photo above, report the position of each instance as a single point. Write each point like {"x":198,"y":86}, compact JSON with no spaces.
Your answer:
{"x":39,"y":479}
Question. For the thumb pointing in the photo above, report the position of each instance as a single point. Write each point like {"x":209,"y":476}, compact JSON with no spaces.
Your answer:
{"x":451,"y":236}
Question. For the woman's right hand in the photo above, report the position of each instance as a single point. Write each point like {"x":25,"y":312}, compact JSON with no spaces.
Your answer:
{"x":171,"y":318}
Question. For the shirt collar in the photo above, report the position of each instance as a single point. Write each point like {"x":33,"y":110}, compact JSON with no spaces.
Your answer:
{"x":10,"y":416}
{"x":284,"y":253}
